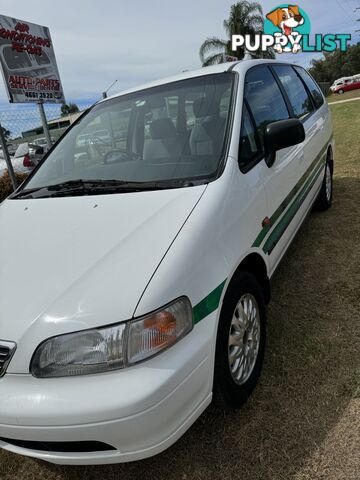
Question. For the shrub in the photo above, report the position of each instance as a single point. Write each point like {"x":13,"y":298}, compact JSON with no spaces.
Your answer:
{"x":6,"y":187}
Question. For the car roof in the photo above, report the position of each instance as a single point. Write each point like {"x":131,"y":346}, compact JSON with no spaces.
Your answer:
{"x":241,"y":66}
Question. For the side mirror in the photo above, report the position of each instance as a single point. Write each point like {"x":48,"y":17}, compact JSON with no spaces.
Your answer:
{"x":282,"y":134}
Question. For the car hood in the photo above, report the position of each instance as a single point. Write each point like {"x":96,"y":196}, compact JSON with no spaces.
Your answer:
{"x":68,"y":264}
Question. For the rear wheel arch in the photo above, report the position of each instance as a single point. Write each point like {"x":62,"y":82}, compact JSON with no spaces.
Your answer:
{"x":330,"y":158}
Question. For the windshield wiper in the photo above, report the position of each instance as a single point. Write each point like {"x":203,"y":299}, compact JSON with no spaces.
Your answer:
{"x":94,"y":187}
{"x":47,"y":188}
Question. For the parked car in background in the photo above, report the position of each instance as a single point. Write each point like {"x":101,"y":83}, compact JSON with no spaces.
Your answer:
{"x":18,"y":166}
{"x":23,"y":160}
{"x":340,"y":81}
{"x":354,"y":84}
{"x":39,"y":142}
{"x":11,"y":147}
{"x":30,"y":154}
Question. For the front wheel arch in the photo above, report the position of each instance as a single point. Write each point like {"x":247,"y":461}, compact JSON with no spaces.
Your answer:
{"x":254,"y":263}
{"x":227,"y":394}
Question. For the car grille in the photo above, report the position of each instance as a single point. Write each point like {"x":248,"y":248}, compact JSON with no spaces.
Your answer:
{"x":7,"y":350}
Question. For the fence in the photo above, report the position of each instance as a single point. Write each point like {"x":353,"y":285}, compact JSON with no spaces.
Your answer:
{"x":325,"y":87}
{"x":22,"y":124}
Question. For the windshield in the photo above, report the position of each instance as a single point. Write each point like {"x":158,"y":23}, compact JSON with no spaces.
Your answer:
{"x":173,"y":132}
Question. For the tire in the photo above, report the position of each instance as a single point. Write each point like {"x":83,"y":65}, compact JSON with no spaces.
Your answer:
{"x":341,"y":91}
{"x":324,"y":200}
{"x":232,"y":388}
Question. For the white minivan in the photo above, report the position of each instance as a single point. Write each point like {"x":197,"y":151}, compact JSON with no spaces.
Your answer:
{"x":141,"y":294}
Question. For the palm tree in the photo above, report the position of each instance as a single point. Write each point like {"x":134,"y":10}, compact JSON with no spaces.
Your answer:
{"x":245,"y":18}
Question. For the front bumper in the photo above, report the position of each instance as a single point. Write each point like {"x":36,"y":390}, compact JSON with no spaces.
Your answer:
{"x":139,"y":411}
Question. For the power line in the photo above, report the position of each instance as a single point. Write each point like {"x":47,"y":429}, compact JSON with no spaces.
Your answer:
{"x":346,"y":11}
{"x":348,"y":2}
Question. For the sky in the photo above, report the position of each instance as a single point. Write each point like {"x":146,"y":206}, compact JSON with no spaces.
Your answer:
{"x":133,"y":42}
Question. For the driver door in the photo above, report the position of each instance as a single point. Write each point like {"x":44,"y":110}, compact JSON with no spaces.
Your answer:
{"x":266,"y":105}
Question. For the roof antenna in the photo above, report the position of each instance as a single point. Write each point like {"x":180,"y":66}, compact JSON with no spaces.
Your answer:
{"x":104,"y":94}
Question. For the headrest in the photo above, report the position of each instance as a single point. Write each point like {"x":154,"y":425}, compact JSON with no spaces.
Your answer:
{"x":162,"y":128}
{"x":155,"y":101}
{"x":204,"y":106}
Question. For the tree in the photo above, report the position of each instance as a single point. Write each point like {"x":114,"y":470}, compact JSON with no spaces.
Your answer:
{"x":6,"y":133}
{"x":336,"y":64}
{"x":246,"y":18}
{"x":68,"y":109}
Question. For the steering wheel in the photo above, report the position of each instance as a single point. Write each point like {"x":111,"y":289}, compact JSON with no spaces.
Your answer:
{"x":96,"y":142}
{"x":116,"y":155}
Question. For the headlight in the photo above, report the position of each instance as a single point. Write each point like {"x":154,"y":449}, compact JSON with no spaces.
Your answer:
{"x":152,"y":334}
{"x":113,"y":347}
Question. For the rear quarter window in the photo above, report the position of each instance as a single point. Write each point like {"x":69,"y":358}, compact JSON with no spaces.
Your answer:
{"x":298,"y":96}
{"x":313,"y":87}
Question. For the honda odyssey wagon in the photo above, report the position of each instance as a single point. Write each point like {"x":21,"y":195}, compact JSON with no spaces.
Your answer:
{"x":141,"y":294}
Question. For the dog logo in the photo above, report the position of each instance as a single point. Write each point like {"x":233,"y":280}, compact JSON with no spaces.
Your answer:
{"x":287,"y":29}
{"x":286,"y":20}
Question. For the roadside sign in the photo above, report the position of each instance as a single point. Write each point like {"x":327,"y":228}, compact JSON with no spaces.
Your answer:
{"x":229,"y":58}
{"x":28,"y":63}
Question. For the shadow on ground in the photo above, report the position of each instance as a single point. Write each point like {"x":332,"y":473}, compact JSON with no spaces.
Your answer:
{"x":308,"y":380}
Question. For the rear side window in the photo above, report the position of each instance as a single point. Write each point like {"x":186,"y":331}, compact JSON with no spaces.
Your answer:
{"x":265,"y":99}
{"x":295,"y":89}
{"x":312,"y":86}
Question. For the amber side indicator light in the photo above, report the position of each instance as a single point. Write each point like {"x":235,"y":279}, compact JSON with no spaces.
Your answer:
{"x":266,"y":222}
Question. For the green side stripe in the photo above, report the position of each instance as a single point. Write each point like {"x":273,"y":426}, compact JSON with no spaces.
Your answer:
{"x":288,"y":199}
{"x":209,"y":304}
{"x":280,"y":228}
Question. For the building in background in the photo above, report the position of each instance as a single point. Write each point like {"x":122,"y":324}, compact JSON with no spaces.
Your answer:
{"x":57,"y":127}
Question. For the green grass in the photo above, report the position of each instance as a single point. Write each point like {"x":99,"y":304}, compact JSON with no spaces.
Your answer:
{"x":346,"y":120}
{"x":303,"y":421}
{"x":344,"y":96}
